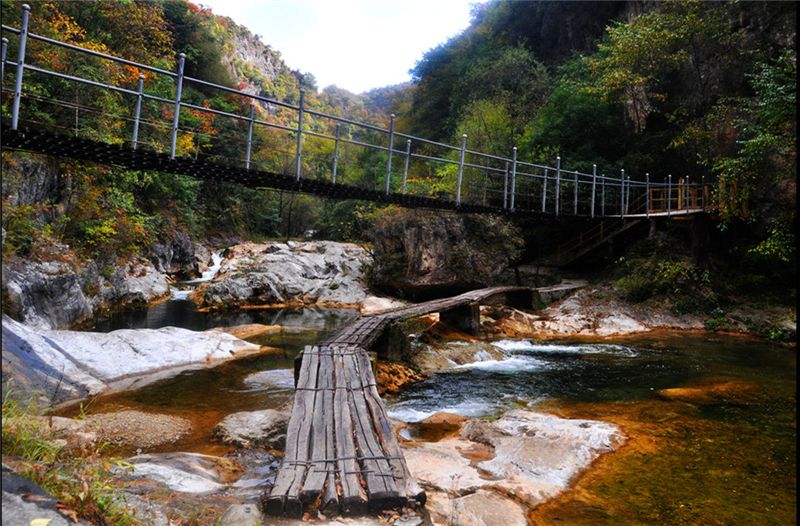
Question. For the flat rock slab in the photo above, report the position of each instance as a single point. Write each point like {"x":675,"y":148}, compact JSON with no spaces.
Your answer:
{"x":63,"y":365}
{"x":535,"y":456}
{"x":482,"y":508}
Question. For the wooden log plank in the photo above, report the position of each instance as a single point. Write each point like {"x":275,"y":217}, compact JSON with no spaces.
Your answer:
{"x":321,"y":428}
{"x":381,"y":487}
{"x":292,"y":471}
{"x":406,"y":483}
{"x":353,"y":498}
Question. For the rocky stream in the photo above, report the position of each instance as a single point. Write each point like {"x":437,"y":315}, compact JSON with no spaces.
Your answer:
{"x":584,"y":412}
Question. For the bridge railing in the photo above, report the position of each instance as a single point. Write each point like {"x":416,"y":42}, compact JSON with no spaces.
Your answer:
{"x":164,"y":110}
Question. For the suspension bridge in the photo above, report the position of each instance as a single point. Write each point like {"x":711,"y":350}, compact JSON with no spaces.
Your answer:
{"x":418,"y":172}
{"x":341,"y":451}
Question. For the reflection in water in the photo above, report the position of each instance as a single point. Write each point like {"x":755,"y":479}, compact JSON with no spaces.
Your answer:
{"x":184,"y":313}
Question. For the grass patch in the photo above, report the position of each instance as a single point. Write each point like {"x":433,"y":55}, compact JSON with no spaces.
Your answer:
{"x":82,"y":483}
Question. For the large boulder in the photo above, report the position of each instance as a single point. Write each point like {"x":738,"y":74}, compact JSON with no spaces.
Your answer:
{"x":294,"y":273}
{"x":61,"y":365}
{"x":176,"y":256}
{"x":420,"y":254}
{"x":266,"y":428}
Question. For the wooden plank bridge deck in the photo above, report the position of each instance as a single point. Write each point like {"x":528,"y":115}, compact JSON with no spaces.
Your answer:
{"x":341,"y":452}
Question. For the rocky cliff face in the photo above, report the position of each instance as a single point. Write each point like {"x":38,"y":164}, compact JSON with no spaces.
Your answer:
{"x":420,"y":254}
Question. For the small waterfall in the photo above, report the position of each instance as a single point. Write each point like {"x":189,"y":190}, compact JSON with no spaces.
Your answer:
{"x":210,"y":272}
{"x":208,"y":275}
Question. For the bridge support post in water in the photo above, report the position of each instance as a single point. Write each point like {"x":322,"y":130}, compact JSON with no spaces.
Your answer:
{"x":466,"y":318}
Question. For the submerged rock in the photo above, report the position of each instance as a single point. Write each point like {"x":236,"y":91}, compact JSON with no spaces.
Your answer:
{"x":300,"y":273}
{"x":732,"y":392}
{"x":535,"y":455}
{"x":57,"y":366}
{"x":266,"y":428}
{"x":481,"y":508}
{"x":136,"y":429}
{"x":186,"y":472}
{"x":432,"y":358}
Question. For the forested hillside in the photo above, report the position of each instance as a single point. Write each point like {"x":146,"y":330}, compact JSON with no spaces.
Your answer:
{"x":111,"y":213}
{"x":701,"y":89}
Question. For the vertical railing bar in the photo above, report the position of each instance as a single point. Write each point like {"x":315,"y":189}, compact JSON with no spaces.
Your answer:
{"x":603,"y":195}
{"x":558,"y":183}
{"x":461,"y":168}
{"x":703,"y":190}
{"x":23,"y":40}
{"x":622,"y":193}
{"x":594,"y":186}
{"x":575,"y":212}
{"x":628,"y":195}
{"x":647,"y":195}
{"x":298,"y":163}
{"x":544,"y":192}
{"x":389,"y":156}
{"x":337,"y":134}
{"x":177,"y":114}
{"x":669,"y":195}
{"x":505,"y":188}
{"x":405,"y":164}
{"x":138,"y":112}
{"x":513,"y":175}
{"x":3,"y":52}
{"x":250,"y":135}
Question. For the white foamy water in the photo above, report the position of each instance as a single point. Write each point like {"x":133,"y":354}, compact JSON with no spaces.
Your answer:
{"x":405,"y":413}
{"x":512,"y":364}
{"x":178,"y":294}
{"x":521,"y":346}
{"x":210,"y":272}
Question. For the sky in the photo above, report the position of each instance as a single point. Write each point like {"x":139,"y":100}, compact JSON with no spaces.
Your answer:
{"x":355,"y":44}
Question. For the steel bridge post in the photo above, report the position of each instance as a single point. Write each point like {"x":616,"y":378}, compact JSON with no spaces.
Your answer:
{"x":513,"y":175}
{"x":389,"y":157}
{"x":505,"y":188}
{"x":669,"y":195}
{"x":337,"y":134}
{"x":544,"y":192}
{"x":298,"y":162}
{"x":177,"y":114}
{"x":405,"y":164}
{"x":647,"y":194}
{"x":603,"y":195}
{"x":461,"y":168}
{"x":688,"y":199}
{"x":3,"y":52}
{"x":558,"y":182}
{"x":250,"y":125}
{"x":628,"y":195}
{"x":575,"y":212}
{"x":622,"y":193}
{"x":138,"y":112}
{"x":594,"y":186}
{"x":23,"y":41}
{"x":703,"y":190}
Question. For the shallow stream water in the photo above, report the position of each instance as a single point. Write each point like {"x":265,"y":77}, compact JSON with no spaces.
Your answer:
{"x":682,"y":464}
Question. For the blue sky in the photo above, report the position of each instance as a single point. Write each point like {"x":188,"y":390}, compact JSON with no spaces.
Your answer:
{"x":354,"y":44}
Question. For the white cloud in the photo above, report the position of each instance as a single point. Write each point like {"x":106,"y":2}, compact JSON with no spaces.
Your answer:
{"x":355,"y":44}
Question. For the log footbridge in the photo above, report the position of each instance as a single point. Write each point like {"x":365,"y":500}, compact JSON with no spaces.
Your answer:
{"x":341,"y":452}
